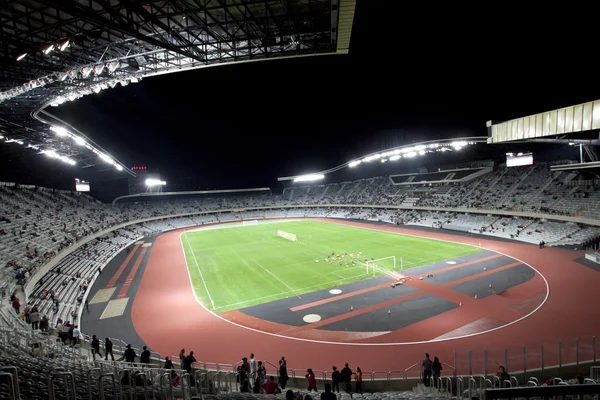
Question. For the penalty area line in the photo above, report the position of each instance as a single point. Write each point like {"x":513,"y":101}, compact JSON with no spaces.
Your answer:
{"x":273,"y":275}
{"x":199,"y":271}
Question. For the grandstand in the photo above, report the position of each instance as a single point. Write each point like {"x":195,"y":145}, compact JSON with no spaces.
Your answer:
{"x":55,"y":244}
{"x":38,"y":224}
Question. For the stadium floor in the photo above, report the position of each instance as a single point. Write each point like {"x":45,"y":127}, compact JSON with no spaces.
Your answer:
{"x":438,"y":314}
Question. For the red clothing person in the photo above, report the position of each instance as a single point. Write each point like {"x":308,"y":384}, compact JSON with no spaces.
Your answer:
{"x":312,"y":382}
{"x":17,"y":306}
{"x":270,"y":386}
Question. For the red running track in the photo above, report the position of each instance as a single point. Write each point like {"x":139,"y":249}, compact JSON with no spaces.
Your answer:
{"x":167,"y":316}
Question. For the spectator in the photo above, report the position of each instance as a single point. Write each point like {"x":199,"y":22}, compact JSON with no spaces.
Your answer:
{"x":335,"y":380}
{"x":328,"y":395}
{"x":312,"y":381}
{"x":145,"y":356}
{"x":181,"y":357}
{"x":129,"y":354}
{"x":359,"y":380}
{"x":108,"y":349}
{"x":168,"y":364}
{"x":95,"y":347}
{"x":426,"y":364}
{"x":188,"y":361}
{"x":346,"y":377}
{"x":502,"y":376}
{"x":436,"y":370}
{"x":34,"y":317}
{"x":253,"y":367}
{"x":283,"y":375}
{"x":16,"y":306}
{"x":76,"y":334}
{"x":270,"y":386}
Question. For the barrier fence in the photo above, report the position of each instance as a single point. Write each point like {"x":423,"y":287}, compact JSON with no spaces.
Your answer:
{"x":569,"y":357}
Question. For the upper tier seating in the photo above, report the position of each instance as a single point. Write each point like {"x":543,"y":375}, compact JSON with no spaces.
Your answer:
{"x":36,"y":224}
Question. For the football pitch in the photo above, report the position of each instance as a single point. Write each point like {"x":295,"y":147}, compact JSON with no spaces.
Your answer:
{"x":233,"y":266}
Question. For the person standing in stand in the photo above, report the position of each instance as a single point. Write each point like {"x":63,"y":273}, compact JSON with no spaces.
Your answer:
{"x":426,"y":364}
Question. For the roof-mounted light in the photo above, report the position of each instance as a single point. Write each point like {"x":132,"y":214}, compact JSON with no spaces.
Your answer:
{"x":155,"y":182}
{"x":309,"y":178}
{"x":59,"y":130}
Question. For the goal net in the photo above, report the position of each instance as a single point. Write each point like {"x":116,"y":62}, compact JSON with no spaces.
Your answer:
{"x":246,"y":223}
{"x":287,"y":235}
{"x":385,"y":266}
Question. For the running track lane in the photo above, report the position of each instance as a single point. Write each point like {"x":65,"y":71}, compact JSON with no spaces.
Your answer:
{"x":167,"y":316}
{"x":132,"y":273}
{"x":113,"y":280}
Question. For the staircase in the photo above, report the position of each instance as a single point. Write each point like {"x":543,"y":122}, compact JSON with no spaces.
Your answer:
{"x":324,"y":191}
{"x":567,"y":194}
{"x":340,"y":191}
{"x":541,"y":190}
{"x":513,"y":187}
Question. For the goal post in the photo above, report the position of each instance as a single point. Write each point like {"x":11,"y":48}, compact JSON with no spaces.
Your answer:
{"x":384,"y":266}
{"x":287,"y":235}
{"x":252,"y":222}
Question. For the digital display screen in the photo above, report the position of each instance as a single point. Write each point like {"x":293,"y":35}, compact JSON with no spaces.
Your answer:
{"x":81,"y":185}
{"x":519,"y":159}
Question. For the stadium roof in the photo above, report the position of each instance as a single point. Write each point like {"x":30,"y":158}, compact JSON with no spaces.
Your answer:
{"x":407,"y":151}
{"x":58,"y":51}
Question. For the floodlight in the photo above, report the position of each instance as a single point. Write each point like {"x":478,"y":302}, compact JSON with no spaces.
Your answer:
{"x":309,"y":178}
{"x":51,"y":153}
{"x":19,"y":142}
{"x":155,"y":182}
{"x":59,"y":130}
{"x":354,"y":163}
{"x":119,"y":168}
{"x":65,"y":45}
{"x":394,"y":158}
{"x":21,"y":56}
{"x":48,"y":49}
{"x":79,"y":140}
{"x":105,"y":158}
{"x":1,"y":137}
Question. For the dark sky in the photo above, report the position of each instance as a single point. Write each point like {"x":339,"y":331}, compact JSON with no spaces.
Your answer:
{"x":412,"y":75}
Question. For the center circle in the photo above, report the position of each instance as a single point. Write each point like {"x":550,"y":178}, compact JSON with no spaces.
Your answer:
{"x":311,"y":318}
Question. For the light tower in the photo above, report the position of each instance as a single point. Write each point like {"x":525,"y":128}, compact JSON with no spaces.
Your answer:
{"x":154,"y":185}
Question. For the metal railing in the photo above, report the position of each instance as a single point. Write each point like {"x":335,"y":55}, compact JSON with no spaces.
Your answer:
{"x":543,"y":392}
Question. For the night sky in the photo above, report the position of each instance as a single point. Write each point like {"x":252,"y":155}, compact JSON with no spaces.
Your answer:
{"x":411,"y":76}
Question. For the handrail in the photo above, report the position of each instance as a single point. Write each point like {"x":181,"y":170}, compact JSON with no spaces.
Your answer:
{"x":411,"y":367}
{"x":51,"y":394}
{"x":133,"y":387}
{"x":11,"y":385}
{"x":101,"y":385}
{"x":183,"y":378}
{"x":89,"y":379}
{"x":542,"y":392}
{"x":16,"y":379}
{"x":170,"y":382}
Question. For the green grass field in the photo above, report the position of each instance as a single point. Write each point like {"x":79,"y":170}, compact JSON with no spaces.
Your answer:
{"x":239,"y":266}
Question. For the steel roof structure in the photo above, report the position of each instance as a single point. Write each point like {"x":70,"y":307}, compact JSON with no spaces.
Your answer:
{"x":54,"y":51}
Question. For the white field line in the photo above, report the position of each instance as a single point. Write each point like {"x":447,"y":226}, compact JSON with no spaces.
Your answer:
{"x":355,"y":344}
{"x":284,"y":293}
{"x":274,"y":276}
{"x":199,"y":271}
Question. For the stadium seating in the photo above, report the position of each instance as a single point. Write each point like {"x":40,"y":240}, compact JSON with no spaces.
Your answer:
{"x":36,"y":224}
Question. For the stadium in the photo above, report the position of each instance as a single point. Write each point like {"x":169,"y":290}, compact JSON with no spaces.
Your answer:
{"x":478,"y":247}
